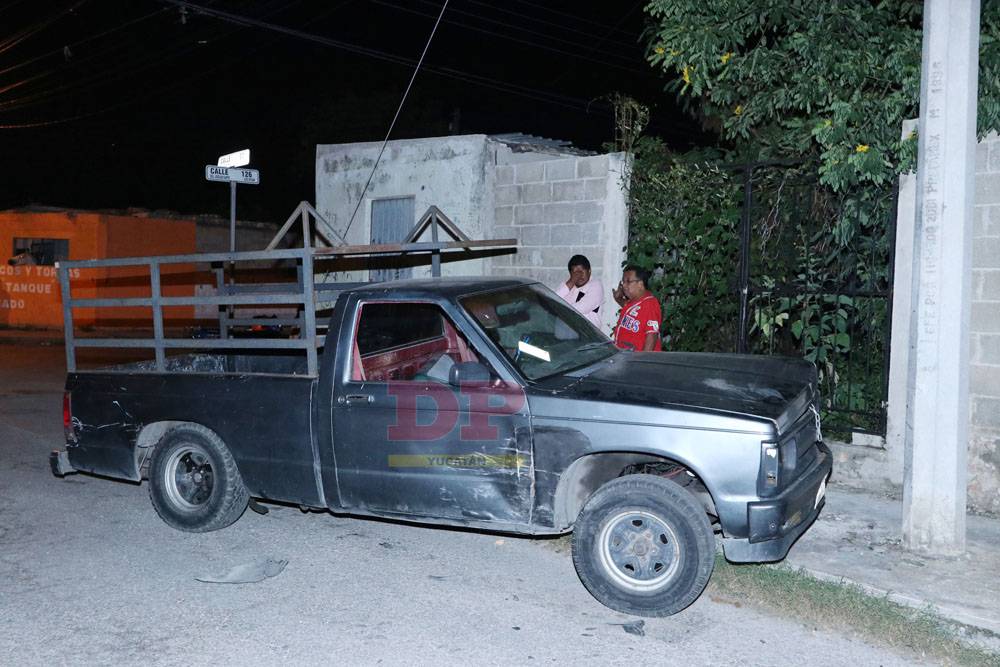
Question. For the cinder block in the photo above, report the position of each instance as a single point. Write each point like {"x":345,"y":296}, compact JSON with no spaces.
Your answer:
{"x":982,"y":157}
{"x":576,"y":235}
{"x":984,"y":380}
{"x":505,"y":174}
{"x":985,"y":349}
{"x":559,"y":213}
{"x":568,"y":191}
{"x":985,"y":284}
{"x":533,"y":256}
{"x":529,"y":214}
{"x":535,"y":193}
{"x":506,"y":231}
{"x":986,"y":412}
{"x":556,"y":257}
{"x":985,"y":221}
{"x":505,"y":195}
{"x":994,"y":161}
{"x":588,"y":212}
{"x":528,"y":172}
{"x":534,"y":235}
{"x":986,"y":253}
{"x":503,"y":215}
{"x":987,"y":189}
{"x":502,"y":260}
{"x":985,"y":317}
{"x":592,"y":167}
{"x":560,"y":170}
{"x":596,"y":188}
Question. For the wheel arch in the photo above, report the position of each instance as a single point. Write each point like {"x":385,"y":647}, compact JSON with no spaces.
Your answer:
{"x":150,"y":435}
{"x":584,"y":476}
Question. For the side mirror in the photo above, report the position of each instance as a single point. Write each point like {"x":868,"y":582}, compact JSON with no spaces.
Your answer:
{"x":468,"y":373}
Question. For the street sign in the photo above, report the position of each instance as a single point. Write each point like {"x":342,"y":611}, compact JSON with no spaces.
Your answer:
{"x":242,"y":175}
{"x":213,"y":173}
{"x":237,"y":159}
{"x":232,"y":175}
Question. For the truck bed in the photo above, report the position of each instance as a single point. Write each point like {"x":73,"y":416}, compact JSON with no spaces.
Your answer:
{"x":262,"y":403}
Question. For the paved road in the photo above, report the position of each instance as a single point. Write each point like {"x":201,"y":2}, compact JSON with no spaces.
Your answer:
{"x":90,"y":575}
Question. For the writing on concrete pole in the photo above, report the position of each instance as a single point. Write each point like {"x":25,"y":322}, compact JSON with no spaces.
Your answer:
{"x":937,"y":411}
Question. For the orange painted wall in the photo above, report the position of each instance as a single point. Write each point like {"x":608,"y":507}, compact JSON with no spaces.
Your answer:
{"x":29,"y":295}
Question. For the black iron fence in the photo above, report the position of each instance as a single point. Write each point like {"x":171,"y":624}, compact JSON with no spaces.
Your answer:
{"x":815,"y":280}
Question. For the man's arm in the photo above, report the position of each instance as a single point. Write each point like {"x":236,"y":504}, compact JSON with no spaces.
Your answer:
{"x":593,"y":297}
{"x":563,"y":290}
{"x":649,"y":344}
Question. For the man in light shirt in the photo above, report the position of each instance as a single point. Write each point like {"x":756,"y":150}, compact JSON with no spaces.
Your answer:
{"x":584,"y":293}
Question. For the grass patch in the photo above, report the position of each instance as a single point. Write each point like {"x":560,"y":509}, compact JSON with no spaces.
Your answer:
{"x":847,"y":608}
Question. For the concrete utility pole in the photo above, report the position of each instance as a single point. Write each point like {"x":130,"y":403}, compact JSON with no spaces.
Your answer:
{"x":935,"y":470}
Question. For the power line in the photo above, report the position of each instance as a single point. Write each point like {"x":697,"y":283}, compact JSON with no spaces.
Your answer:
{"x":77,"y":43}
{"x":553,"y":49}
{"x":576,"y":104}
{"x":17,"y":38}
{"x":106,"y":76}
{"x":385,"y":141}
{"x":573,"y":17}
{"x":535,"y":19}
{"x":521,"y":29}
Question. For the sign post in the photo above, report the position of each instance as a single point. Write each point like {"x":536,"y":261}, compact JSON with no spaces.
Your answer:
{"x":230,"y":169}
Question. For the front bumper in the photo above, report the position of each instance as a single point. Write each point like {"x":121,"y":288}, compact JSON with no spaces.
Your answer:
{"x":774,"y":524}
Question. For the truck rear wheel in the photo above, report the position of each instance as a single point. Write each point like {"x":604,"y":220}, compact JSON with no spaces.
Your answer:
{"x":193,"y":480}
{"x":643,"y":545}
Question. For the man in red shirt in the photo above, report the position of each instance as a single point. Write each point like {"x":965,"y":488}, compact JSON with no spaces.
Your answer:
{"x":639,"y":322}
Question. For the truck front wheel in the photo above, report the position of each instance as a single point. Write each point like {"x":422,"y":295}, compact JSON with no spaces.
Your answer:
{"x":193,"y":480}
{"x":643,"y":545}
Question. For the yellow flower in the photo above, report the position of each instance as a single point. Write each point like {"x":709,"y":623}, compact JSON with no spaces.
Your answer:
{"x":861,"y":148}
{"x":659,"y":50}
{"x":738,"y":110}
{"x":674,"y":52}
{"x":726,"y":56}
{"x":827,"y":123}
{"x":686,"y":75}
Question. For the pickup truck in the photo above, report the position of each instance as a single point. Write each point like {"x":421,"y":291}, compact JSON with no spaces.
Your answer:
{"x":484,"y":403}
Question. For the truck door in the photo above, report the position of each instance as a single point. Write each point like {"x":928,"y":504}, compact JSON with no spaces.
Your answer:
{"x":410,"y":443}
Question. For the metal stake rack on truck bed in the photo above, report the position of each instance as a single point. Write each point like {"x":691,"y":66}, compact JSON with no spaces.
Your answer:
{"x":305,"y":293}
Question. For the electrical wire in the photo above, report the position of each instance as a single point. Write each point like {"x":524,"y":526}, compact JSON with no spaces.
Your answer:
{"x":528,"y":42}
{"x":520,"y":28}
{"x":107,"y":76}
{"x":516,"y":89}
{"x":572,"y":17}
{"x":77,"y":43}
{"x":19,"y":37}
{"x":535,"y":19}
{"x":385,"y":141}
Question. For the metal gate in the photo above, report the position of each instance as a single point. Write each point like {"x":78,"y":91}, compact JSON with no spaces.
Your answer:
{"x":815,"y":280}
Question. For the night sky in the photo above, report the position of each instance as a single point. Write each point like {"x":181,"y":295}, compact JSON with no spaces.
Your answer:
{"x":112,"y":104}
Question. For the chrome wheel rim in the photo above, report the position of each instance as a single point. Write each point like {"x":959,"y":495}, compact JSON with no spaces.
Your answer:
{"x":638,"y":550}
{"x":188,"y":477}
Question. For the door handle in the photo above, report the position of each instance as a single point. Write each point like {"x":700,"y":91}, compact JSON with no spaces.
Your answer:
{"x":360,"y":398}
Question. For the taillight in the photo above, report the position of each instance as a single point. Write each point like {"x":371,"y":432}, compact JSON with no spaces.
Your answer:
{"x":68,"y":429}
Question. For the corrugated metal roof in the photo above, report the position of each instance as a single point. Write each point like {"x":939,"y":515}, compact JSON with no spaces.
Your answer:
{"x":528,"y":143}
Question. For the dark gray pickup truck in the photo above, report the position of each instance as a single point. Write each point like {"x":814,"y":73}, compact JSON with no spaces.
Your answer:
{"x":484,"y":403}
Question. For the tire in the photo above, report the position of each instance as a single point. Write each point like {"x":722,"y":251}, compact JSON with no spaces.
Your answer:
{"x":643,"y":545}
{"x":193,"y":481}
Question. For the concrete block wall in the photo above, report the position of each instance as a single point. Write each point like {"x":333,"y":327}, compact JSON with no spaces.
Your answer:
{"x":557,"y":207}
{"x":883,"y":468}
{"x":984,"y":348}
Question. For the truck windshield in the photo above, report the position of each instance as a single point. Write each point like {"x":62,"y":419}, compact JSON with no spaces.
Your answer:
{"x":539,"y":332}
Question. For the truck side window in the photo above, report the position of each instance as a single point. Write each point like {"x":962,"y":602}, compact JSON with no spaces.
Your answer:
{"x":406,"y":341}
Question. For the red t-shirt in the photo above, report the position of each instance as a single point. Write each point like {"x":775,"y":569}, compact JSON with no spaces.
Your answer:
{"x":637,"y":319}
